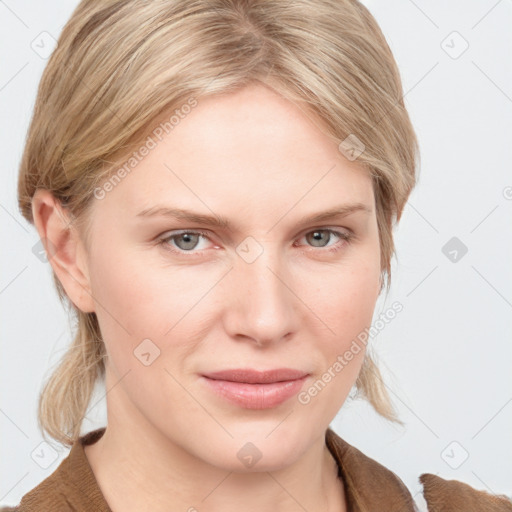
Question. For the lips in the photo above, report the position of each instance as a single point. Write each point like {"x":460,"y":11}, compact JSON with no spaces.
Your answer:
{"x":253,"y":389}
{"x":250,"y":376}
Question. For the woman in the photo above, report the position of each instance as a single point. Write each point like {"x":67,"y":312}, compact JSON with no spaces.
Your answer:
{"x":216,"y":184}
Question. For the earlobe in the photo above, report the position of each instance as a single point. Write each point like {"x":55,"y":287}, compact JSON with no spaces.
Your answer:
{"x":63,"y":248}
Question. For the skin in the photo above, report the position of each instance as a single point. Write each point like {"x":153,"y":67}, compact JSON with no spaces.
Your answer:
{"x":171,"y":443}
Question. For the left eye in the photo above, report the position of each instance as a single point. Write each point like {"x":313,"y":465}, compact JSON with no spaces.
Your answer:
{"x":187,"y":241}
{"x":318,"y":235}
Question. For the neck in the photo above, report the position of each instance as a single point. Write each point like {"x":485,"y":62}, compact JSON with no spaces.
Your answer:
{"x":138,"y":468}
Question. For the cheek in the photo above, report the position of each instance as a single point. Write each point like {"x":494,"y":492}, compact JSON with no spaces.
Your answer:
{"x":127,"y":304}
{"x":120,"y":291}
{"x":134,"y":293}
{"x":346,"y":308}
{"x":353,"y":307}
{"x":345,"y":302}
{"x":138,"y":298}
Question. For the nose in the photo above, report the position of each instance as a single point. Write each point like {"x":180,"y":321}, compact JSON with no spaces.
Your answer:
{"x":261,"y":306}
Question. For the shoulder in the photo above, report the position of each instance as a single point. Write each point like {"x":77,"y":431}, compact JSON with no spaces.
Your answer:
{"x":452,"y":495}
{"x":48,"y":495}
{"x":369,"y":483}
{"x":71,"y":487}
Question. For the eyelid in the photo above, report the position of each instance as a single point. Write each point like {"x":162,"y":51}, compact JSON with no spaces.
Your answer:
{"x":207,"y":233}
{"x":345,"y":234}
{"x":176,"y":232}
{"x":338,"y":229}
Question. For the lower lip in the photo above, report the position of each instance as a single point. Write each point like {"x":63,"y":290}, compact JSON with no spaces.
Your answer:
{"x":256,"y":396}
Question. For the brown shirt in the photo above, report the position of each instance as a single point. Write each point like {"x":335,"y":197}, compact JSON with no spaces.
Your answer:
{"x":369,"y":486}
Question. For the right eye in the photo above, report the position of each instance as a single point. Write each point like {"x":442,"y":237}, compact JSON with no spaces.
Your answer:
{"x":184,"y":241}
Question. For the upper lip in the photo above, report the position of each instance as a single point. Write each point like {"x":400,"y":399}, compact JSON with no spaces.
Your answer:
{"x":250,"y":376}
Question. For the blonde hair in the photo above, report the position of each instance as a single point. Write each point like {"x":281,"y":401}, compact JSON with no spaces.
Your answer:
{"x":120,"y":64}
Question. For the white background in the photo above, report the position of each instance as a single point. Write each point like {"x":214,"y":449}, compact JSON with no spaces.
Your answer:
{"x":446,"y":358}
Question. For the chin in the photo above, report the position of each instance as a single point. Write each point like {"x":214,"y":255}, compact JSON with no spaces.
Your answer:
{"x":255,"y":447}
{"x":253,"y":458}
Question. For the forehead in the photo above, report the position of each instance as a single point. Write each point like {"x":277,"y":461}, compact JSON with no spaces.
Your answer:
{"x":239,"y":150}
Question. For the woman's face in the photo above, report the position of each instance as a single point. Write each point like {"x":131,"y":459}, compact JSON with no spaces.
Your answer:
{"x":182,"y":296}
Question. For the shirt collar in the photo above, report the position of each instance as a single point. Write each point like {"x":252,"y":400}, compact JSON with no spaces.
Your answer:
{"x":369,"y":486}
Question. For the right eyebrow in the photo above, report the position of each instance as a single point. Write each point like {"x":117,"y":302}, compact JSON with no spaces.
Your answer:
{"x":217,"y":221}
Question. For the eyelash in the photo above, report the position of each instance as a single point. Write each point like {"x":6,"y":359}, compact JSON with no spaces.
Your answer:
{"x":346,"y":237}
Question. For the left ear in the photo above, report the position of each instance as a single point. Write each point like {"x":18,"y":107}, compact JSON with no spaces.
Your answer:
{"x":64,"y":248}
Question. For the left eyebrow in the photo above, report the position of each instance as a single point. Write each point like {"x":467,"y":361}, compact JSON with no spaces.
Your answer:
{"x":223,"y":223}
